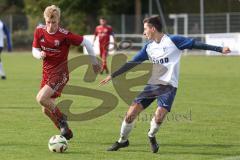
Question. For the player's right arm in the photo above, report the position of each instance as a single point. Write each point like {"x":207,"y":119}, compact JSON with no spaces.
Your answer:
{"x":36,"y":49}
{"x":37,"y":53}
{"x":137,"y":59}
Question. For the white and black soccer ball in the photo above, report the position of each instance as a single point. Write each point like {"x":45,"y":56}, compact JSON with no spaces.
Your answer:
{"x":58,"y":144}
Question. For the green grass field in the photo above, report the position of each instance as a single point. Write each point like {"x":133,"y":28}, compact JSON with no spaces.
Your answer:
{"x":203,"y":124}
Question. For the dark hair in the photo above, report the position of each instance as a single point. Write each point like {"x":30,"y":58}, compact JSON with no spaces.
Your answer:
{"x":155,"y":21}
{"x":102,"y":18}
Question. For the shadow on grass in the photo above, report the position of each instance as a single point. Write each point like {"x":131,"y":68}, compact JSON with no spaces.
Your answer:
{"x":202,"y":145}
{"x":177,"y":149}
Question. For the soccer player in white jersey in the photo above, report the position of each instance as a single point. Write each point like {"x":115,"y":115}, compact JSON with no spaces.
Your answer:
{"x":164,"y":50}
{"x":4,"y":31}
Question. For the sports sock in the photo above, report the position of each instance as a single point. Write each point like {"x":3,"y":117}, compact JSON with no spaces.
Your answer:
{"x":125,"y":130}
{"x":2,"y":73}
{"x":57,"y":113}
{"x":52,"y":117}
{"x":154,"y":127}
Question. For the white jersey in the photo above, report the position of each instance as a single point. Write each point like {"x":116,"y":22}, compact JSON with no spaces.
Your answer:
{"x":165,"y":57}
{"x":4,"y":32}
{"x":1,"y":34}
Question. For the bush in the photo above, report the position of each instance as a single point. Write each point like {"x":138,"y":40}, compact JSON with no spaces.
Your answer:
{"x":22,"y":40}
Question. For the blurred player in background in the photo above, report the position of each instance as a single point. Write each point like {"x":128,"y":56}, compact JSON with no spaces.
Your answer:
{"x":103,"y":31}
{"x":164,"y":52}
{"x":51,"y":44}
{"x":4,"y":31}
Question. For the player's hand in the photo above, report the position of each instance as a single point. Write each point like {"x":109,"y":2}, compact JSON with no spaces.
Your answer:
{"x":96,"y":68}
{"x":43,"y":54}
{"x":226,"y":50}
{"x":106,"y":80}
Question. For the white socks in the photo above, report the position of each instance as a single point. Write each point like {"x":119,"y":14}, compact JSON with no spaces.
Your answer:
{"x":154,"y":127}
{"x":2,"y":73}
{"x":127,"y":127}
{"x":125,"y":130}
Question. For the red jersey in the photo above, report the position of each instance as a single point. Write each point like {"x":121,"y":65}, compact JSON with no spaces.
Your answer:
{"x":56,"y":46}
{"x":103,"y":33}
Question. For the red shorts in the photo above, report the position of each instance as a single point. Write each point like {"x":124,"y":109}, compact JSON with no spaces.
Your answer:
{"x":56,"y":82}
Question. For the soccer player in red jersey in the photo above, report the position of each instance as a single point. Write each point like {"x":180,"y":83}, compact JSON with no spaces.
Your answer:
{"x":103,"y":31}
{"x":51,"y":44}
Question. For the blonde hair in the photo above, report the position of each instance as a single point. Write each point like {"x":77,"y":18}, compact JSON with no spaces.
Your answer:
{"x":52,"y":12}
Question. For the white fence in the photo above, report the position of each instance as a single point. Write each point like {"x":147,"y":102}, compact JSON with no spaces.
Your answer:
{"x":128,"y":43}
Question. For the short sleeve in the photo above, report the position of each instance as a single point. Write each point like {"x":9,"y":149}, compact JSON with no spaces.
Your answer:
{"x":35,"y":43}
{"x":74,"y":39}
{"x":111,"y":31}
{"x":182,"y":42}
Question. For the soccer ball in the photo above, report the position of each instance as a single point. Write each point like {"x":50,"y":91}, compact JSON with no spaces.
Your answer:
{"x":58,"y":144}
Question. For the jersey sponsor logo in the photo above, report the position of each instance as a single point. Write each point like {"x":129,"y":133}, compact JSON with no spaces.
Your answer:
{"x":161,"y":60}
{"x":56,"y":43}
{"x":105,"y":30}
{"x":42,"y":40}
{"x":50,"y":49}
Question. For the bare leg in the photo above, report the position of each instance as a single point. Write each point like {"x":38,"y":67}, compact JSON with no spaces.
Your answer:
{"x":48,"y":113}
{"x":44,"y":98}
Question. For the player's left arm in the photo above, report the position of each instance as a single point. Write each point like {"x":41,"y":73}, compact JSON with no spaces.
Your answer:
{"x":204,"y":46}
{"x":112,"y":34}
{"x":96,"y":66}
{"x":190,"y":43}
{"x":77,"y":40}
{"x":95,"y":36}
{"x":7,"y":33}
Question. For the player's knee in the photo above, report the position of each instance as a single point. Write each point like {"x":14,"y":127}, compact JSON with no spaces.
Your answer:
{"x":44,"y":110}
{"x":40,"y":99}
{"x":158,"y":120}
{"x":129,"y":118}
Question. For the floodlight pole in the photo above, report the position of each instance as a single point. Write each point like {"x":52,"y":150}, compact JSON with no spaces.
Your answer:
{"x":202,"y":17}
{"x":150,"y":7}
{"x":161,"y":15}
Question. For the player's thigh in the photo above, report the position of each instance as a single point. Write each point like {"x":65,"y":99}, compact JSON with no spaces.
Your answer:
{"x":160,"y":114}
{"x":45,"y":92}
